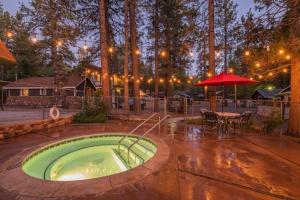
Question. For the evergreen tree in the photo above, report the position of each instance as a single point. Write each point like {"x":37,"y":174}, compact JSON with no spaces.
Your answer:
{"x":55,"y":21}
{"x":30,"y":61}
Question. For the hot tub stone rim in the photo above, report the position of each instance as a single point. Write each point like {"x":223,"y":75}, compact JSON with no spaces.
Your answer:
{"x":25,"y":184}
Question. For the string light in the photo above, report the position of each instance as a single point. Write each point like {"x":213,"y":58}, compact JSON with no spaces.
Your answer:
{"x":260,"y":76}
{"x":85,"y":47}
{"x":191,"y":54}
{"x":285,"y":70}
{"x":59,"y":43}
{"x":163,"y":54}
{"x":161,"y":80}
{"x":281,"y":51}
{"x":288,"y":57}
{"x":247,"y":53}
{"x":230,"y":70}
{"x":209,"y":74}
{"x":9,"y":35}
{"x":111,"y":50}
{"x":34,"y":39}
{"x":257,"y":64}
{"x":137,"y":52}
{"x":271,"y":74}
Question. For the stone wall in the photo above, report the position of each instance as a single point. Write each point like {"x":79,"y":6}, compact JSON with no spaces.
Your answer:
{"x":34,"y":101}
{"x":13,"y":130}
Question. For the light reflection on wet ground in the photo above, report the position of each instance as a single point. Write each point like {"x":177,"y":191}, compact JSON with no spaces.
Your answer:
{"x":202,"y":164}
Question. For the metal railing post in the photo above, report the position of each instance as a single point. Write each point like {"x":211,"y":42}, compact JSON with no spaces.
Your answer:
{"x":165,"y":106}
{"x":159,"y":125}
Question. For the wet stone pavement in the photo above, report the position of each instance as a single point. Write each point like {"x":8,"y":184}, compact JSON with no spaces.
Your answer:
{"x":202,"y":164}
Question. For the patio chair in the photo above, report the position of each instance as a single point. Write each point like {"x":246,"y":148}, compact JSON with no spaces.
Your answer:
{"x":241,"y":122}
{"x":202,"y":111}
{"x":212,"y":120}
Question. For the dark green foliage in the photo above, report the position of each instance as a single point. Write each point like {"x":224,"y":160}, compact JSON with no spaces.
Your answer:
{"x":84,"y":118}
{"x":272,"y":122}
{"x":94,"y":111}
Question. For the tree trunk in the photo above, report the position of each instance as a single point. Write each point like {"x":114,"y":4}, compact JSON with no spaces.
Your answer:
{"x":294,"y":125}
{"x":126,"y":89}
{"x":212,"y":90}
{"x":54,"y":65}
{"x":104,"y":55}
{"x":156,"y":61}
{"x":294,"y":115}
{"x":134,"y":56}
{"x":225,"y":49}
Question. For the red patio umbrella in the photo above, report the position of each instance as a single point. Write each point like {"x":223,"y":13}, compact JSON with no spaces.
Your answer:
{"x":226,"y":79}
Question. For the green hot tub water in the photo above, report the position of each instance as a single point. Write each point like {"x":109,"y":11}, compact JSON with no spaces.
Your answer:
{"x":87,"y":157}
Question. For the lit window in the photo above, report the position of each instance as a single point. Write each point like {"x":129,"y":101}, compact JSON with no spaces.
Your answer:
{"x":25,"y":92}
{"x":43,"y":92}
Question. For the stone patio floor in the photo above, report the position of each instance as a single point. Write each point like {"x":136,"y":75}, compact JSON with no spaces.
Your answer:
{"x":200,"y":166}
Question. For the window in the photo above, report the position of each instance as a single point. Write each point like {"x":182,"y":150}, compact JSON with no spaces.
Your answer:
{"x":24,"y":92}
{"x":43,"y":92}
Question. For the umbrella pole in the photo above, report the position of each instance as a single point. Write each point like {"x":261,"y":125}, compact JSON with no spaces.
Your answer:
{"x":235,"y":99}
{"x":223,"y":99}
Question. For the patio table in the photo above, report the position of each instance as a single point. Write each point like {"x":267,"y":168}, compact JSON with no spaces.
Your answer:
{"x":226,"y":116}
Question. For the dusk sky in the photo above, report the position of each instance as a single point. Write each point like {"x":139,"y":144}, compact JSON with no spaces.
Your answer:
{"x":243,"y":7}
{"x":12,"y":5}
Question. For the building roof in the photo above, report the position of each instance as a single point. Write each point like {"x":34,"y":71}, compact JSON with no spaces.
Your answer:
{"x":72,"y":81}
{"x":32,"y":82}
{"x":268,"y":94}
{"x":5,"y":54}
{"x":285,"y":91}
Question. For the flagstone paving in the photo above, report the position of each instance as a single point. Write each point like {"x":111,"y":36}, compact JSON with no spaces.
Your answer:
{"x":201,"y":165}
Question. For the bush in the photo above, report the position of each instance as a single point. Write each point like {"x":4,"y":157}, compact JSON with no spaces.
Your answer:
{"x":272,"y":122}
{"x":84,"y":118}
{"x":92,"y":113}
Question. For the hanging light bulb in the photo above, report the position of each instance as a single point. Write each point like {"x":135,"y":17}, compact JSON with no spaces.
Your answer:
{"x":9,"y":35}
{"x":59,"y":43}
{"x":34,"y":39}
{"x":281,"y":51}
{"x":85,"y":47}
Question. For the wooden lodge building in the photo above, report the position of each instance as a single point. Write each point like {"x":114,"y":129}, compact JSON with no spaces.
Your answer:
{"x":39,"y":91}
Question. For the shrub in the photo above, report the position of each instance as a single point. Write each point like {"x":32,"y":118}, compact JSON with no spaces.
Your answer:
{"x":84,"y":118}
{"x":272,"y":122}
{"x":94,"y":112}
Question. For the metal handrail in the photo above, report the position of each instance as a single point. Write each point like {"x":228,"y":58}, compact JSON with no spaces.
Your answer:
{"x":140,"y":137}
{"x":132,"y":131}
